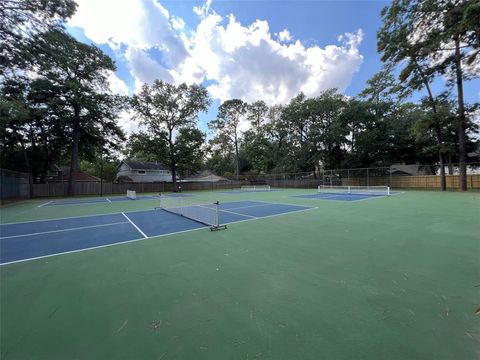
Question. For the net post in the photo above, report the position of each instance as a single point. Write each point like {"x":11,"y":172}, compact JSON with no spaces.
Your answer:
{"x":159,"y":202}
{"x":216,"y":226}
{"x":388,"y":190}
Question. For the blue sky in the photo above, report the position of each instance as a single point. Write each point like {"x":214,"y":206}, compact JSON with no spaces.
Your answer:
{"x":269,"y":50}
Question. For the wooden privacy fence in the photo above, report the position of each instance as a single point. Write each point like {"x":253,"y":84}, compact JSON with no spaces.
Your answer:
{"x":54,"y":189}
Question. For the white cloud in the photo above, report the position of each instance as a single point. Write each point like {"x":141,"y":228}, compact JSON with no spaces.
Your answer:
{"x":127,"y":122}
{"x":144,"y":68}
{"x":284,"y":36}
{"x":238,"y":61}
{"x":117,"y":85}
{"x":177,"y":23}
{"x":203,"y":10}
{"x":245,"y":62}
{"x":136,"y":24}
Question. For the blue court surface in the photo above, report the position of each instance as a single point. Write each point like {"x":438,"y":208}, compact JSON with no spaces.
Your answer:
{"x":29,"y":240}
{"x":338,"y":197}
{"x":87,"y":201}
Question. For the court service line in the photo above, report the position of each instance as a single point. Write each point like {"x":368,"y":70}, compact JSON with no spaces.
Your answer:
{"x":135,"y":226}
{"x":57,"y":231}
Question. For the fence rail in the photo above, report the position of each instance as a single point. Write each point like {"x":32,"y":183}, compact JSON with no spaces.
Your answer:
{"x":16,"y":185}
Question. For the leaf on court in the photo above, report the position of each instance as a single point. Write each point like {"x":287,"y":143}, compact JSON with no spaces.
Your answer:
{"x":477,"y":312}
{"x":155,"y":325}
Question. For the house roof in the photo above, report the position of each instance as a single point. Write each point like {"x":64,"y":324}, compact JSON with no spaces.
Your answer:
{"x":206,"y":175}
{"x":124,"y":179}
{"x":81,"y":176}
{"x":144,"y":165}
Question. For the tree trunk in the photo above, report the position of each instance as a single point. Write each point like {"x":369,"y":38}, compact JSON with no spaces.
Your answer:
{"x":237,"y":170}
{"x":74,"y":160}
{"x":438,"y":131}
{"x":174,"y":177}
{"x":443,"y":182}
{"x":173,"y":165}
{"x":28,"y":165}
{"x":450,"y":164}
{"x":462,"y":142}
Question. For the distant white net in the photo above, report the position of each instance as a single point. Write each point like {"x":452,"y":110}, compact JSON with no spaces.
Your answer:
{"x":355,"y":190}
{"x":198,"y":210}
{"x":132,"y":194}
{"x":255,"y":188}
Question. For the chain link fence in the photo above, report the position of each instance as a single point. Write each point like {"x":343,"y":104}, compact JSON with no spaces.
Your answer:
{"x":421,"y":177}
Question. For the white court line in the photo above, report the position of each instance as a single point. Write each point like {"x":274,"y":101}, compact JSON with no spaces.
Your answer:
{"x":232,"y":212}
{"x":56,"y":231}
{"x":136,"y":227}
{"x":371,"y":198}
{"x":108,"y":200}
{"x":45,"y":203}
{"x":275,"y":203}
{"x":249,"y":206}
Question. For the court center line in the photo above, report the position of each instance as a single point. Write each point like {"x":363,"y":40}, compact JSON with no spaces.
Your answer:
{"x":135,"y":226}
{"x":57,"y":231}
{"x":250,"y":206}
{"x":235,"y":213}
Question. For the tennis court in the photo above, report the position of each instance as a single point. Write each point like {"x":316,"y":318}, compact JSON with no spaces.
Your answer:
{"x":300,"y":281}
{"x":348,"y":193}
{"x":29,"y":240}
{"x":97,"y":200}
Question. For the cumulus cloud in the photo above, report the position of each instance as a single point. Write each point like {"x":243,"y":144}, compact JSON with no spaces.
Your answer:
{"x":245,"y":61}
{"x":137,"y":25}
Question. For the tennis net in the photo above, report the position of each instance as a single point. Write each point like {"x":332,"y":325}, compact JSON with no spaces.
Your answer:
{"x":255,"y":188}
{"x":132,"y":194}
{"x":197,"y":210}
{"x":355,"y":190}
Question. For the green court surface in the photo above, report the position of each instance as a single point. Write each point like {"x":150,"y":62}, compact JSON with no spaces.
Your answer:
{"x":386,"y":278}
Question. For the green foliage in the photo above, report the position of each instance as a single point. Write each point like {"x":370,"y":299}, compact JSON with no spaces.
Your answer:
{"x":165,"y":108}
{"x":190,"y":151}
{"x":431,"y":38}
{"x":21,"y":21}
{"x":226,"y":125}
